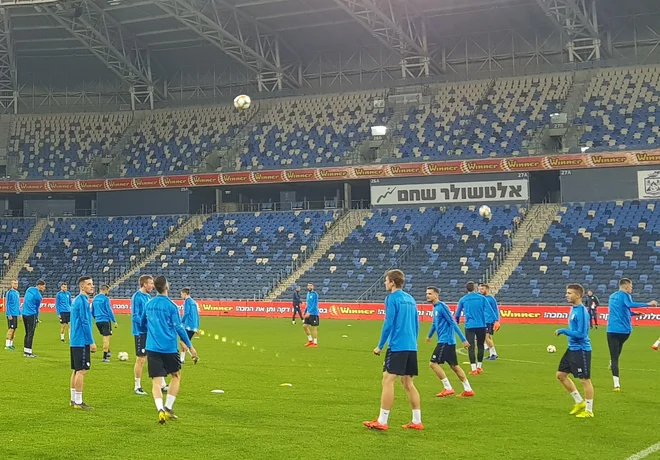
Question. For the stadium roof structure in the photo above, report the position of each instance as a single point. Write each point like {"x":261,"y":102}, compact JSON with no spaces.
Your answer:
{"x":276,"y":42}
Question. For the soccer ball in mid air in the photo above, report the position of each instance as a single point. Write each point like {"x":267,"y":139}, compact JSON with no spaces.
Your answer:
{"x":484,"y":211}
{"x":551,"y":349}
{"x":242,"y":102}
{"x":123,"y":356}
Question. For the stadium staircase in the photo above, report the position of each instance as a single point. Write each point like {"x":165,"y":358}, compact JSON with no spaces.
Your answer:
{"x":194,"y":223}
{"x":116,"y":153}
{"x":537,"y":222}
{"x":229,"y":159}
{"x":24,"y":254}
{"x":574,"y":99}
{"x":341,"y":229}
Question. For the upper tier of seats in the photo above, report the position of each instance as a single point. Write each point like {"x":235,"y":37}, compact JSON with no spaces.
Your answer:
{"x":169,"y":142}
{"x":238,"y":256}
{"x":619,"y":110}
{"x":101,"y":247}
{"x":312,"y":132}
{"x":594,"y":244}
{"x":58,"y":146}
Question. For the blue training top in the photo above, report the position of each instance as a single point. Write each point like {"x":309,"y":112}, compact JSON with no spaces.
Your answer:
{"x":474,"y":306}
{"x":312,"y":303}
{"x":619,"y":315}
{"x":101,"y":309}
{"x":63,"y":301}
{"x":81,"y":322}
{"x":401,"y":326}
{"x":444,"y":325}
{"x":32,"y":302}
{"x":12,"y":303}
{"x":162,"y":321}
{"x":578,"y":329}
{"x":138,"y":301}
{"x":190,"y":318}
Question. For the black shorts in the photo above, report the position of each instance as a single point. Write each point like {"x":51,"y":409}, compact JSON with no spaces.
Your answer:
{"x":105,"y":328}
{"x":576,"y":362}
{"x":401,"y":363}
{"x":140,"y":345}
{"x":65,"y":317}
{"x":490,"y":328}
{"x":312,"y":320}
{"x":12,"y":323}
{"x":191,"y":334}
{"x":80,"y":358}
{"x":162,"y":364}
{"x":445,"y":353}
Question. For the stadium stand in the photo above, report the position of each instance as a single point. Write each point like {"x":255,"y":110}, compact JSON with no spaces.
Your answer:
{"x":57,"y":146}
{"x":619,"y":109}
{"x":432,"y":246}
{"x":102,"y":247}
{"x":595,"y":244}
{"x":238,"y":256}
{"x":177,"y":141}
{"x":312,"y":132}
{"x":13,"y":233}
{"x":482,"y":119}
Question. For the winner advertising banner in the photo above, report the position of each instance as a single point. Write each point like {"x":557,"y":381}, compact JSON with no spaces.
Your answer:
{"x":517,"y":314}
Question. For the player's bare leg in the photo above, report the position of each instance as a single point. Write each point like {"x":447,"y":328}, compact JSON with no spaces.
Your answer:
{"x":9,"y":342}
{"x":490,"y":345}
{"x":566,"y":381}
{"x":79,"y":383}
{"x":315,"y":335}
{"x":589,"y":399}
{"x":448,"y":390}
{"x":415,"y":403}
{"x":656,"y":345}
{"x":73,"y":387}
{"x":137,"y":372}
{"x":310,"y":339}
{"x":106,"y":348}
{"x":460,"y":373}
{"x":157,"y":393}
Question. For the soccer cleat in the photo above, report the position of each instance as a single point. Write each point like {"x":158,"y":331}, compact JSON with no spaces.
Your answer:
{"x":106,"y":360}
{"x":314,"y":345}
{"x":12,"y":348}
{"x":309,"y":344}
{"x":72,"y":403}
{"x":466,"y":394}
{"x":82,"y":406}
{"x":170,"y":414}
{"x":8,"y":348}
{"x":578,"y":407}
{"x":140,"y":391}
{"x":492,"y":358}
{"x":445,"y":393}
{"x":165,"y":388}
{"x":30,"y":355}
{"x":585,"y":414}
{"x":474,"y":372}
{"x":163,"y":417}
{"x":413,"y":426}
{"x":655,"y":347}
{"x":374,"y":425}
{"x":479,"y":370}
{"x":62,"y":340}
{"x":617,"y":389}
{"x":195,"y":359}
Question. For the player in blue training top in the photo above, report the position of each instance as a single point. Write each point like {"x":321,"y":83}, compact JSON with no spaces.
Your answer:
{"x":163,"y":324}
{"x":63,"y":301}
{"x":492,"y":320}
{"x":474,"y":306}
{"x":190,"y":319}
{"x":81,"y":341}
{"x":311,"y":316}
{"x":445,"y":351}
{"x":12,"y":311}
{"x":619,"y":324}
{"x":31,"y":304}
{"x":104,"y":316}
{"x":400,"y":331}
{"x":577,"y":359}
{"x":138,"y":301}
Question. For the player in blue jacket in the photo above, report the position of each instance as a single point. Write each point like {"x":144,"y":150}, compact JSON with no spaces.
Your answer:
{"x":163,"y":324}
{"x":12,"y":311}
{"x":31,"y":304}
{"x":577,"y":359}
{"x":63,"y":301}
{"x":104,"y":317}
{"x":81,"y":341}
{"x":619,"y":324}
{"x":400,"y":331}
{"x":190,"y":319}
{"x":492,"y":320}
{"x":445,"y":351}
{"x":138,"y":301}
{"x":474,"y":306}
{"x":311,"y":317}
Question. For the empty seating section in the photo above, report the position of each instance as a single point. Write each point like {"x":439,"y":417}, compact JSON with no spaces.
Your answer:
{"x":594,"y":244}
{"x":620,"y":109}
{"x":57,"y":146}
{"x":13,"y":233}
{"x":348,"y":269}
{"x":238,"y":256}
{"x":312,"y":132}
{"x":177,"y":141}
{"x":460,"y":248}
{"x":101,"y":247}
{"x":427,"y":132}
{"x":513,"y":110}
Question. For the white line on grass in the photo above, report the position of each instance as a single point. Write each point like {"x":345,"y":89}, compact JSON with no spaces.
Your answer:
{"x":646,"y":452}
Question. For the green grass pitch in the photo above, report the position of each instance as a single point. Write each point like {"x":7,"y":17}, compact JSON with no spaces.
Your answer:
{"x":519,"y":412}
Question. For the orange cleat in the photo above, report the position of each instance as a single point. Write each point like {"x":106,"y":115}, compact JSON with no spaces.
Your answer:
{"x":374,"y":425}
{"x":466,"y":394}
{"x":654,"y":347}
{"x":413,"y":426}
{"x":479,"y":370}
{"x":445,"y":393}
{"x":309,"y":344}
{"x":313,"y":345}
{"x":474,"y":372}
